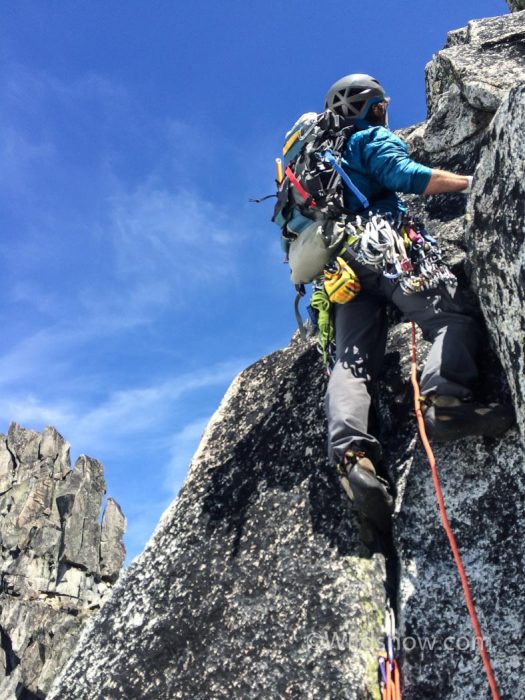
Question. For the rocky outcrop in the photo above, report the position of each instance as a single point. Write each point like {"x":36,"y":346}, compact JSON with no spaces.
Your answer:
{"x":57,"y":562}
{"x":256,"y":582}
{"x":484,"y":490}
{"x":496,"y":238}
{"x":516,"y":5}
{"x":256,"y":577}
{"x":484,"y":485}
{"x":465,"y":84}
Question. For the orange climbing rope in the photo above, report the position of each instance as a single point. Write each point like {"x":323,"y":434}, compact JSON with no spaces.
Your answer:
{"x":452,"y":540}
{"x":391,"y":679}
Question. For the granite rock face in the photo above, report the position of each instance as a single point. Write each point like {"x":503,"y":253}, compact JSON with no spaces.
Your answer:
{"x":465,"y":84}
{"x":57,"y":563}
{"x":496,"y":238}
{"x":256,"y":583}
{"x":483,"y":480}
{"x":484,"y":490}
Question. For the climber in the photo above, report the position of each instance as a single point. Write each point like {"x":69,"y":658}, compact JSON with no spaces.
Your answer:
{"x":378,"y":164}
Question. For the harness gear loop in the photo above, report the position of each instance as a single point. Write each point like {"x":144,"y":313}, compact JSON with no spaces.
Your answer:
{"x":446,"y":525}
{"x":402,"y":250}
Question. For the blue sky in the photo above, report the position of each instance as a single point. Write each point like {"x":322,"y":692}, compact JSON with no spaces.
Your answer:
{"x":136,"y":278}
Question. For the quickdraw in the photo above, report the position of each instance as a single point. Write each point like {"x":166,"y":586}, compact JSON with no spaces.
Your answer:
{"x":408,"y":254}
{"x":389,"y":674}
{"x":381,"y":246}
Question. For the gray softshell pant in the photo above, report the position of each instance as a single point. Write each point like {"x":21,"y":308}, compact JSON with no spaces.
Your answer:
{"x":361,"y":333}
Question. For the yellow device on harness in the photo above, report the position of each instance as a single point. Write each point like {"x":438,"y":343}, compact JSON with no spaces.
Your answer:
{"x":341,"y":282}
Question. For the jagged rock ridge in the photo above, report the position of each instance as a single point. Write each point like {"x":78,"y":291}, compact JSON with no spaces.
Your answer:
{"x":58,"y":563}
{"x":255,"y":583}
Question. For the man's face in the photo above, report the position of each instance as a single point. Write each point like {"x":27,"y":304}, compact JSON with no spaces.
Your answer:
{"x":380,"y":110}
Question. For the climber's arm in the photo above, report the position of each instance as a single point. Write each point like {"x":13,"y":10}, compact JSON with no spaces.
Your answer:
{"x":443,"y":181}
{"x":386,"y":157}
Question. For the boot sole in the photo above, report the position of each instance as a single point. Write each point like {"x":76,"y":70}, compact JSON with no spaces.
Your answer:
{"x":371,"y":499}
{"x":475,"y":425}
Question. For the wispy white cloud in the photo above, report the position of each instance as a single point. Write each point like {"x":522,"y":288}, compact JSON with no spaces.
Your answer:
{"x":50,"y":353}
{"x":19,"y":153}
{"x":136,"y":243}
{"x":29,"y":409}
{"x":137,"y":410}
{"x":25,"y":359}
{"x":163,"y":241}
{"x":26,"y":88}
{"x":132,"y":424}
{"x":178,"y":236}
{"x":29,"y":129}
{"x":114,"y":423}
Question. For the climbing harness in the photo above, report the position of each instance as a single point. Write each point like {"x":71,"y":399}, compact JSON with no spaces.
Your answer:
{"x":404,"y":253}
{"x":389,"y":674}
{"x":446,"y":525}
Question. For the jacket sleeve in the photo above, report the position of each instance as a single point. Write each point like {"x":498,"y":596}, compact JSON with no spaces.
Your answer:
{"x":386,"y":158}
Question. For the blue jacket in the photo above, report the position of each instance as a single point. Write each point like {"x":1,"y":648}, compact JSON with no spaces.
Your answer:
{"x":378,"y":164}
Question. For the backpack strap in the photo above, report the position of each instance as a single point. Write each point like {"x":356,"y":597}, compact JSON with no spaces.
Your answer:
{"x":330,"y":158}
{"x":295,"y":182}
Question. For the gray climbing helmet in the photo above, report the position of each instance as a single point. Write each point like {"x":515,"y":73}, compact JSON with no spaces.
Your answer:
{"x":353,"y":95}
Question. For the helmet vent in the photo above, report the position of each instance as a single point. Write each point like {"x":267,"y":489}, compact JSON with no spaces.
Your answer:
{"x":353,"y":95}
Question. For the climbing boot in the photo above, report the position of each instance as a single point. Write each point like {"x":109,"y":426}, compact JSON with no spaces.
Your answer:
{"x":449,"y":418}
{"x":367,"y":491}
